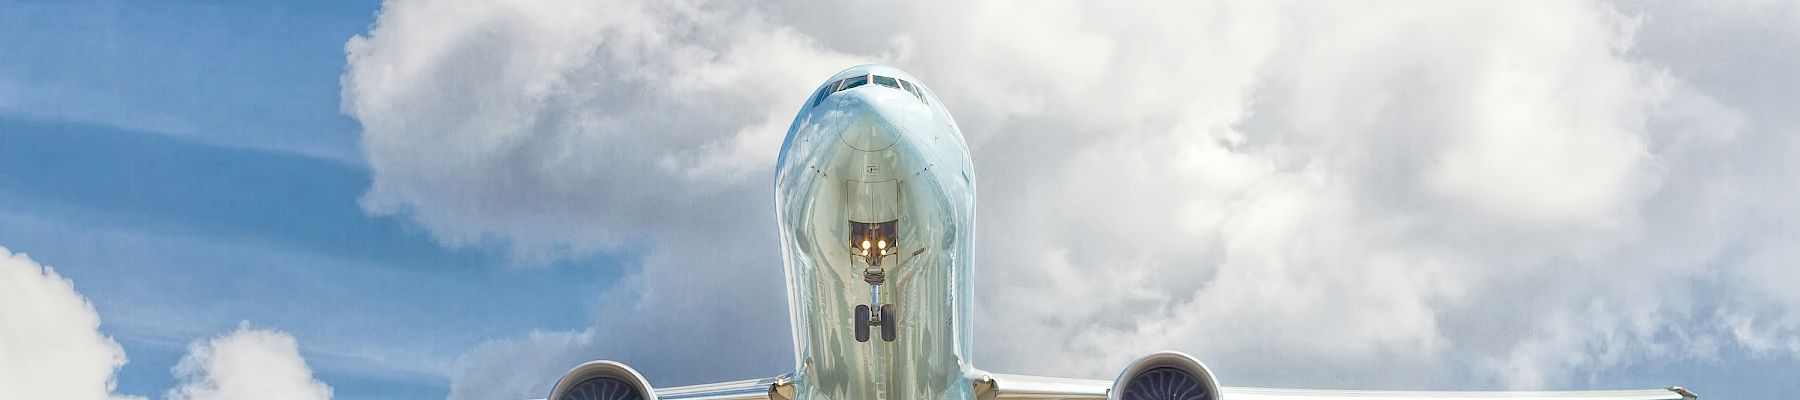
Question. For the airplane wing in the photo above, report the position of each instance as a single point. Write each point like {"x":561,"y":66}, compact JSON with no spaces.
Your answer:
{"x":1159,"y":376}
{"x":776,"y":388}
{"x":1172,"y":375}
{"x":993,"y":386}
{"x":1025,"y":387}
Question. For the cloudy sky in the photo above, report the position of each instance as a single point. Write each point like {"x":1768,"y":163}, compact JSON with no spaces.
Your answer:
{"x":453,"y":199}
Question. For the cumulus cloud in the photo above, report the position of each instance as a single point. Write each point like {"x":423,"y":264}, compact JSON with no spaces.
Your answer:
{"x":51,"y":346}
{"x":247,"y":364}
{"x":563,"y":127}
{"x":1470,"y":195}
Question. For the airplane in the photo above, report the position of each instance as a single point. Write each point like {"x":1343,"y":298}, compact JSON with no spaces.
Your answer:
{"x":875,"y":202}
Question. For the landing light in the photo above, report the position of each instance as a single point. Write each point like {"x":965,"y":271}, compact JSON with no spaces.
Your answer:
{"x":874,"y":241}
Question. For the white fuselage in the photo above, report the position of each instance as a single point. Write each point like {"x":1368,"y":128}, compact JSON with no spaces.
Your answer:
{"x":864,"y":156}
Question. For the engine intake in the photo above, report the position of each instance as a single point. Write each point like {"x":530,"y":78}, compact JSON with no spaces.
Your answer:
{"x":1165,"y":375}
{"x":602,"y":380}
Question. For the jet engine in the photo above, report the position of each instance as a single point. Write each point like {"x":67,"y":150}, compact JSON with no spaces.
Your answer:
{"x":1165,"y":375}
{"x":602,"y":380}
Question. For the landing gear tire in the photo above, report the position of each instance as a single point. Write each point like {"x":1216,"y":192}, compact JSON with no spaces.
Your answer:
{"x":862,"y":322}
{"x":888,"y":331}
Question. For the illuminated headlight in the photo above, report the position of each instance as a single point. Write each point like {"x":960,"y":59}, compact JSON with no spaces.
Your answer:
{"x":874,"y":241}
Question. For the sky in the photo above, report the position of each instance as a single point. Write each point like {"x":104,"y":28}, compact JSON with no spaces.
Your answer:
{"x":463,"y":200}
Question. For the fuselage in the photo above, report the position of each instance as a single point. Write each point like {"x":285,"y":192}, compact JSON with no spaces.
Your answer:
{"x":874,"y":184}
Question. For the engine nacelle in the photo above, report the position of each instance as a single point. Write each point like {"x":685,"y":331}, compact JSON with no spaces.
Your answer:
{"x":1165,"y":375}
{"x":602,"y":380}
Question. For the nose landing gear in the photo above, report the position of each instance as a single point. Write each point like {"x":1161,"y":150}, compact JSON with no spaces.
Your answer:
{"x":883,"y":317}
{"x":872,"y":243}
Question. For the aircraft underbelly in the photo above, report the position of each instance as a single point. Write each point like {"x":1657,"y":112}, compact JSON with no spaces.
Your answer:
{"x":857,"y":170}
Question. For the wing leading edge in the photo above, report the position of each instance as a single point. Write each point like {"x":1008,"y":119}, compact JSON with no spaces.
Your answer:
{"x":1026,"y":387}
{"x":777,"y":388}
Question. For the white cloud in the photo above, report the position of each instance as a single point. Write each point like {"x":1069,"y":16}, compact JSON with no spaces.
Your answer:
{"x":247,"y":364}
{"x":562,"y":127}
{"x":1469,"y":194}
{"x":51,"y":346}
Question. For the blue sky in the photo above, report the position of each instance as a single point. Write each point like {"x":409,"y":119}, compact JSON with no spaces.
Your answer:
{"x":185,"y":164}
{"x":487,"y":192}
{"x":171,"y":247}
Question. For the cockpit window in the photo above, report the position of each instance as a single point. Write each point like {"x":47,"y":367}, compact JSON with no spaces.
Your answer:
{"x":834,"y":87}
{"x":886,"y":81}
{"x":854,"y":82}
{"x":910,"y":88}
{"x":820,"y":98}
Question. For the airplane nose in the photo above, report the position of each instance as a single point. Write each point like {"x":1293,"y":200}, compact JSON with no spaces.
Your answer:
{"x":870,"y":130}
{"x":870,"y":133}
